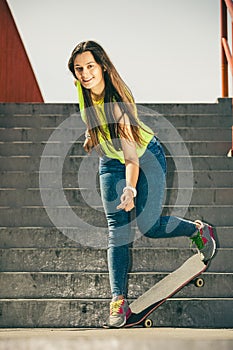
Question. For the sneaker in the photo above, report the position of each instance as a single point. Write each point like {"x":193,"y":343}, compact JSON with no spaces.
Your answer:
{"x":119,"y":313}
{"x":204,"y":241}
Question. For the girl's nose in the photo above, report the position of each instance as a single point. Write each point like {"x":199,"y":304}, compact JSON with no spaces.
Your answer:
{"x":84,"y":72}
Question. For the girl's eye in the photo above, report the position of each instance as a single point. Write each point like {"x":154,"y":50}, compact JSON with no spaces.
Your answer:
{"x":90,"y":66}
{"x":78,"y":69}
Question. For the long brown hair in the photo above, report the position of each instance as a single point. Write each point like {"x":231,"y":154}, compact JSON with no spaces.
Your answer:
{"x":115,"y":91}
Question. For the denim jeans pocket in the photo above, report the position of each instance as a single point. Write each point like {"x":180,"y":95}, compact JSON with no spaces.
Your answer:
{"x":154,"y":150}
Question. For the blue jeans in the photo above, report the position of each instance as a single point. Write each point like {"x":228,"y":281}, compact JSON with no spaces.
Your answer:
{"x":148,"y":208}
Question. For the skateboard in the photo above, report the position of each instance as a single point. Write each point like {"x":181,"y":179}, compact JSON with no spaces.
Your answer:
{"x":153,"y":298}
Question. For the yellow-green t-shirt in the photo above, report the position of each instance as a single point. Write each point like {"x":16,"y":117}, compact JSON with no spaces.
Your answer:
{"x":146,"y":133}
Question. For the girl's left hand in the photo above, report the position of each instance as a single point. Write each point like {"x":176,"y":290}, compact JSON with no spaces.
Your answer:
{"x":88,"y":145}
{"x":127,"y":202}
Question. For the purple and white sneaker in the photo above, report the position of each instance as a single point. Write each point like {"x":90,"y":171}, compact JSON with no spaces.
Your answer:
{"x":204,"y":240}
{"x":119,"y":313}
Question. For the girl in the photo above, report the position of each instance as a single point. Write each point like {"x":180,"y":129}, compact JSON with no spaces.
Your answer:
{"x":132,"y":169}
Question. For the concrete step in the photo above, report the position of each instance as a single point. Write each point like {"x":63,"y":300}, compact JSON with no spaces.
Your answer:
{"x":204,"y":134}
{"x":72,"y":163}
{"x":80,"y":285}
{"x":170,"y":122}
{"x":201,"y":179}
{"x":37,"y":216}
{"x":95,"y":260}
{"x":42,"y":134}
{"x":155,"y":121}
{"x":146,"y":112}
{"x":189,"y":313}
{"x":51,"y":237}
{"x":216,"y":148}
{"x":17,"y":198}
{"x":222,"y":106}
{"x":37,"y":109}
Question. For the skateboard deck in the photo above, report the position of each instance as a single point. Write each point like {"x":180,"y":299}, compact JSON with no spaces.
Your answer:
{"x":148,"y":302}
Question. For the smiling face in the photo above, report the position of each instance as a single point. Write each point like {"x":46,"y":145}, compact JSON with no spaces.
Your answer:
{"x":89,"y":72}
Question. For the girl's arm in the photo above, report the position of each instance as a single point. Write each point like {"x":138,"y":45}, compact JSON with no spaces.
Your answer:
{"x":131,"y":162}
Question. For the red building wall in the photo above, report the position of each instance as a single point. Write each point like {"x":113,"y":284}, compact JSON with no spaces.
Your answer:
{"x":17,"y":79}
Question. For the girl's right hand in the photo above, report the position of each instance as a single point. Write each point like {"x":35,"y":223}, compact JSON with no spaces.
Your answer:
{"x":88,"y":145}
{"x":127,"y":201}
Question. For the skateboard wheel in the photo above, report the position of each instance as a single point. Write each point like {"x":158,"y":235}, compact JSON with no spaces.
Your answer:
{"x":199,"y":282}
{"x":148,"y":323}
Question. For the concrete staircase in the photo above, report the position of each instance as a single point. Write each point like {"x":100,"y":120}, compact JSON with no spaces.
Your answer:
{"x":52,"y":279}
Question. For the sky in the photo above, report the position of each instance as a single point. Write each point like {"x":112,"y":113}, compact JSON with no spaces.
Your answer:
{"x":166,"y":51}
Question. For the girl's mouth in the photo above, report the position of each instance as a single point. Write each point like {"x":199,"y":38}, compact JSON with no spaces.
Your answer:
{"x":87,"y":80}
